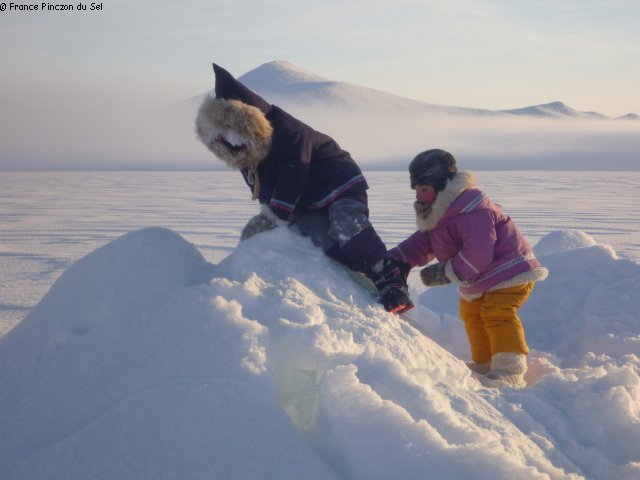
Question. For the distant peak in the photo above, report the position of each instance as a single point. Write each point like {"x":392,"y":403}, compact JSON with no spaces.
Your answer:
{"x":559,"y":108}
{"x":556,"y":109}
{"x":557,"y":103}
{"x":281,"y":64}
{"x":280,"y":72}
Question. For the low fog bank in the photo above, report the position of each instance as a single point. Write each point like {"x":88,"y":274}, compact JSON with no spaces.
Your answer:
{"x":501,"y":142}
{"x":122,"y":137}
{"x":100,"y":137}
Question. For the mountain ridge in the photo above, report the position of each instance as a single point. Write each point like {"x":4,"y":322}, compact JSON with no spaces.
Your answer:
{"x":285,"y":82}
{"x":282,"y":81}
{"x":554,"y":109}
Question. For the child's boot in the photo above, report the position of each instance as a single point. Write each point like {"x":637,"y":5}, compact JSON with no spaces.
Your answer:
{"x":390,"y":281}
{"x":507,"y":370}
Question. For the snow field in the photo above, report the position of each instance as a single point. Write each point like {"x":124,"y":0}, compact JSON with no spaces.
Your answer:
{"x":284,"y":367}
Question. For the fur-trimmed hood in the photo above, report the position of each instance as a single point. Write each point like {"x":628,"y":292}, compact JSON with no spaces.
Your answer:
{"x":462,"y":181}
{"x":479,"y":244}
{"x":274,"y":151}
{"x":238,"y":134}
{"x":229,"y":88}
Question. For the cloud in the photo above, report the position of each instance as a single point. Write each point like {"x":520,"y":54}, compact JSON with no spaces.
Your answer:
{"x":98,"y":135}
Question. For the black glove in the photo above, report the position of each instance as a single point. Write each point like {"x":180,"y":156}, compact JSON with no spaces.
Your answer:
{"x":258,"y":224}
{"x":433,"y":275}
{"x":405,"y":269}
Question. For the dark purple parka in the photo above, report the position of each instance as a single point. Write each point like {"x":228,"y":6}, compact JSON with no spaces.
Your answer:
{"x":305,"y":170}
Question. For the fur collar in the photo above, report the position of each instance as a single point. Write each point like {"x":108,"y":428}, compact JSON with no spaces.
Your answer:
{"x":238,"y":134}
{"x":462,"y":181}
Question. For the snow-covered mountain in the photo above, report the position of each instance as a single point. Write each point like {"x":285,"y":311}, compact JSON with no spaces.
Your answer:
{"x":554,"y":109}
{"x":281,"y":81}
{"x":286,"y":84}
{"x":382,"y":130}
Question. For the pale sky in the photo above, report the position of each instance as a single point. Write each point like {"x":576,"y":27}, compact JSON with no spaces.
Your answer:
{"x":91,"y":89}
{"x":493,"y":54}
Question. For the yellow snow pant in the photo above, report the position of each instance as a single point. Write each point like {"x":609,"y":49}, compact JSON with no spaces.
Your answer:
{"x":492,"y":322}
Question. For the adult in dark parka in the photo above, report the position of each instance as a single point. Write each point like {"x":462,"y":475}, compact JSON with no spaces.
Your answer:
{"x":301,"y":177}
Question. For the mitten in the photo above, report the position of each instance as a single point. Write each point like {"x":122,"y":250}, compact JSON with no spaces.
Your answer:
{"x":258,"y":224}
{"x":433,"y":275}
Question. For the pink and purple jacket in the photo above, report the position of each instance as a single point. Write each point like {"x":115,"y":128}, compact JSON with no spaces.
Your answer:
{"x":480,"y":245}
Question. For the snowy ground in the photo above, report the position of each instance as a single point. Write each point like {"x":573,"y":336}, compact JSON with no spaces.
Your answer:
{"x":283,"y":367}
{"x":48,"y":220}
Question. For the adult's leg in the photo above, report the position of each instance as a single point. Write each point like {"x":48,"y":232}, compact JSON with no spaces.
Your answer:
{"x":350,"y":227}
{"x":315,"y":225}
{"x":358,"y":241}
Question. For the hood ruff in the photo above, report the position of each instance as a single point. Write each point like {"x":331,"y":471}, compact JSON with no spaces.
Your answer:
{"x":462,"y":181}
{"x":217,"y":115}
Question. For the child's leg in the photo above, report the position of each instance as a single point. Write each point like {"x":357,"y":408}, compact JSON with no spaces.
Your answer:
{"x":499,"y":312}
{"x":473,"y":324}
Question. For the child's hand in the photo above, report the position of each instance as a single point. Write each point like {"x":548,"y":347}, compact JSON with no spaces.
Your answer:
{"x":433,"y":275}
{"x":422,"y":209}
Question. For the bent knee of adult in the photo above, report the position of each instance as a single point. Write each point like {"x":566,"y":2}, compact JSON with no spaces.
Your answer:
{"x":347,"y":218}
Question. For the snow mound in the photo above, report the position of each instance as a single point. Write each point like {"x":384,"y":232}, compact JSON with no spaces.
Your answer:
{"x":563,"y":241}
{"x":284,"y":367}
{"x":128,"y":370}
{"x":589,"y":303}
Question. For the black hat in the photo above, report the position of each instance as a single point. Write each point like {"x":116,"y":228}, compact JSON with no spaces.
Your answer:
{"x":432,"y":167}
{"x":228,"y":88}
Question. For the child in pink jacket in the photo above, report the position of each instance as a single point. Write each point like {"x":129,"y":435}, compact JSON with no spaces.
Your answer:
{"x":478,"y":247}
